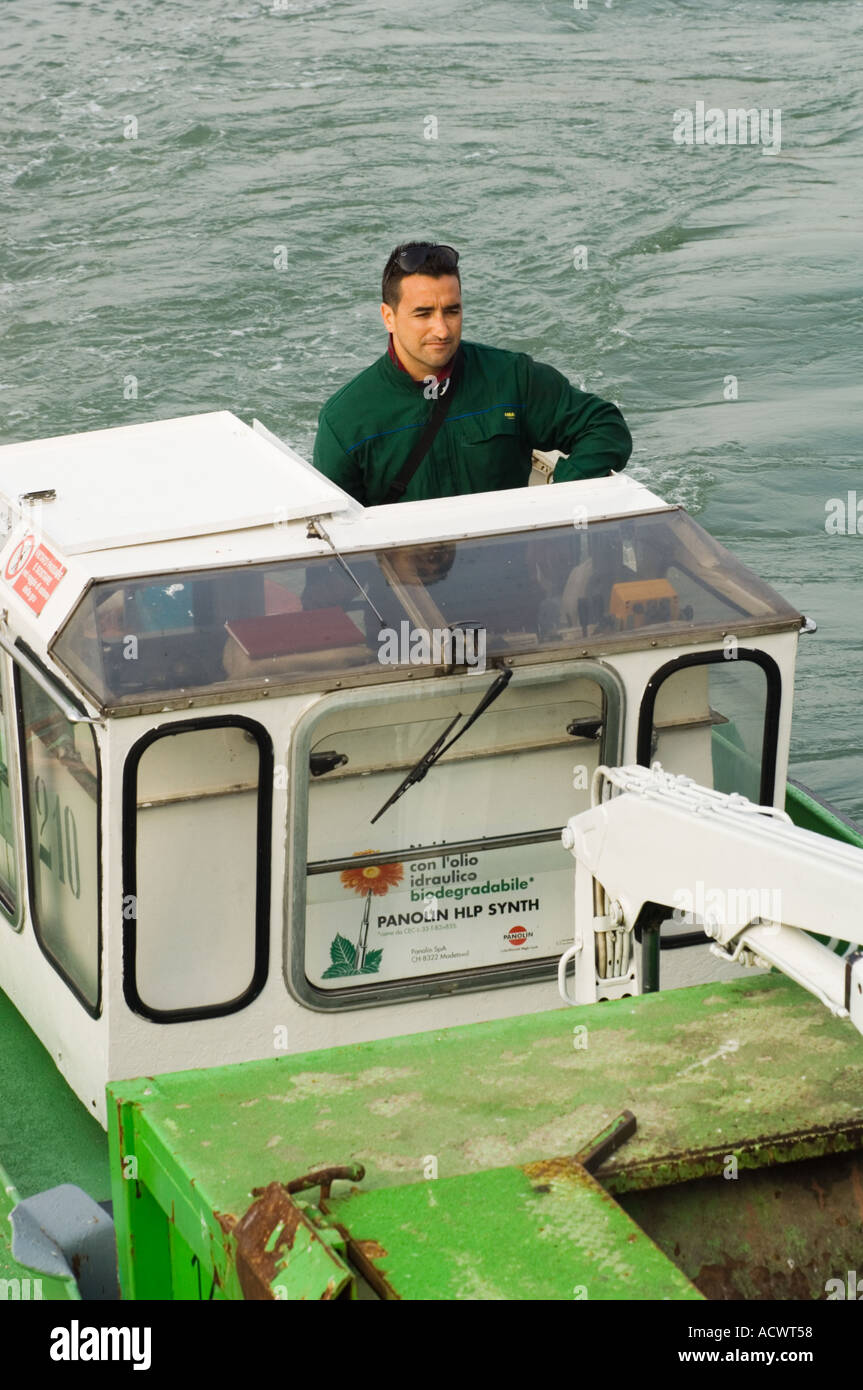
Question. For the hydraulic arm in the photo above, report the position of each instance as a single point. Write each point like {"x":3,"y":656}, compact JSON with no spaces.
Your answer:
{"x":756,"y":883}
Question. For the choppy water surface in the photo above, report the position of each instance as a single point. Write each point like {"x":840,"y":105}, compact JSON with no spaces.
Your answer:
{"x":155,"y":155}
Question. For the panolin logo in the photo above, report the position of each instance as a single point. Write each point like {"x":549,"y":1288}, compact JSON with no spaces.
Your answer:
{"x":517,"y":936}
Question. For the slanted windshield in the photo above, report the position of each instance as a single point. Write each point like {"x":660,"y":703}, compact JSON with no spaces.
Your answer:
{"x":614,"y":584}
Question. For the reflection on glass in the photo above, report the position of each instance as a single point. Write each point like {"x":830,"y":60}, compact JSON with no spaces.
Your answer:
{"x":708,"y":723}
{"x":561,"y":588}
{"x":60,"y":775}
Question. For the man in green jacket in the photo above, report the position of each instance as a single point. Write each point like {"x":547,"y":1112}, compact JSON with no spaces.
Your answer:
{"x":504,"y":404}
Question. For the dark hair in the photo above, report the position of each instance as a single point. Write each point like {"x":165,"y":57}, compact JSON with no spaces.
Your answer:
{"x":440,"y":260}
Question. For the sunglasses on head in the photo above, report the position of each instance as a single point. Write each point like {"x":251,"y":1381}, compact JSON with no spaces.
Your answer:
{"x":411,"y":259}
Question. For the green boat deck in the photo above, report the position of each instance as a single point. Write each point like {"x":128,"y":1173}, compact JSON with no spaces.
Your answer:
{"x":753,"y":1070}
{"x":47,"y":1136}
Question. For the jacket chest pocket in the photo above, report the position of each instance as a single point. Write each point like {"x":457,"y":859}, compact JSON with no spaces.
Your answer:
{"x":491,"y":445}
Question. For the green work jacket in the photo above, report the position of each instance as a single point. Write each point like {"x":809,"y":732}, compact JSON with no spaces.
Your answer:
{"x":505,"y":406}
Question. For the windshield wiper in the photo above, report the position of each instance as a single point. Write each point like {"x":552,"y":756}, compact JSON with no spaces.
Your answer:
{"x":316,"y":531}
{"x":419,"y":770}
{"x":440,"y":746}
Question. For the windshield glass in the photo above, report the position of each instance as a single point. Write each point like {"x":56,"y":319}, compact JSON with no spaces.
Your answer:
{"x":606,"y":585}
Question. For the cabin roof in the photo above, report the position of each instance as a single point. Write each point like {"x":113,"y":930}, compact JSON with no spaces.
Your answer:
{"x":208,"y":489}
{"x":139,"y":484}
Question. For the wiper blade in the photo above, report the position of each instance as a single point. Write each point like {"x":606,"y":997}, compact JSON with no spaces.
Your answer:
{"x":419,"y":769}
{"x":440,"y":746}
{"x":496,"y":688}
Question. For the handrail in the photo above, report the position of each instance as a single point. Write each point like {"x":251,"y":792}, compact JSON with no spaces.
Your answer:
{"x":73,"y":712}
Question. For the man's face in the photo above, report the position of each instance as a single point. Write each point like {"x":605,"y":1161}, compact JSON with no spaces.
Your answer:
{"x":423,"y":564}
{"x":426,"y":326}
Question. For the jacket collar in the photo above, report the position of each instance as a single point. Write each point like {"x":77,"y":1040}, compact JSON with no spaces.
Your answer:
{"x":443,"y":375}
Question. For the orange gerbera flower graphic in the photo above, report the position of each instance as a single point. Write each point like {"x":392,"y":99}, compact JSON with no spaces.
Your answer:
{"x":374,"y":878}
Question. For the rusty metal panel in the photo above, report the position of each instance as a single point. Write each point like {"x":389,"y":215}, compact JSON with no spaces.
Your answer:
{"x":283,"y":1253}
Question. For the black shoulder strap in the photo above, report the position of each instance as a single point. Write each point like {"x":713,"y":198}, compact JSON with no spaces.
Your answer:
{"x":423,"y":444}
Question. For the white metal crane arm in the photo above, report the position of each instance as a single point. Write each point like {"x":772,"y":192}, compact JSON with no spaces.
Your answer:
{"x":757,"y":882}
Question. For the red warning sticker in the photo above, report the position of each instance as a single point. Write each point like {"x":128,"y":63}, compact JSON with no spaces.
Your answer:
{"x":33,"y":571}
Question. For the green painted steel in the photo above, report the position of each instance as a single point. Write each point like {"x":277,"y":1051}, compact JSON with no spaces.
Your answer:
{"x":19,"y":1282}
{"x":811,"y":814}
{"x":46,"y":1134}
{"x":742,"y":1068}
{"x":509,"y":1234}
{"x":309,"y":1270}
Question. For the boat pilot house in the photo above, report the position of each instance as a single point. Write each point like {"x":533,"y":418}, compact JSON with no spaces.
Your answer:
{"x":279,"y":767}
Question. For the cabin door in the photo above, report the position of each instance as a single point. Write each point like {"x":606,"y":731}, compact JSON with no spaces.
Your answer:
{"x":197,"y":851}
{"x":462,"y":874}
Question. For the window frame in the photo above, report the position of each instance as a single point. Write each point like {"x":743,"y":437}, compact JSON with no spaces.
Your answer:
{"x":263,"y":868}
{"x":258,"y":687}
{"x":480,"y":978}
{"x":773,"y":703}
{"x":94,"y":1010}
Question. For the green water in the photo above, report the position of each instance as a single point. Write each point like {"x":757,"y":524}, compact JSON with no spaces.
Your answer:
{"x":303,"y":126}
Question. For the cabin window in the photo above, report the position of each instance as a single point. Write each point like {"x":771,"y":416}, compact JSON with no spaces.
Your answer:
{"x":613,"y":585}
{"x":713,"y":717}
{"x":9,"y":900}
{"x":462,"y":881}
{"x":197,"y":806}
{"x":61,"y":780}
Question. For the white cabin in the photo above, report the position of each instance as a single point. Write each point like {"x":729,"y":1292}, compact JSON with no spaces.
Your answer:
{"x":203,"y":711}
